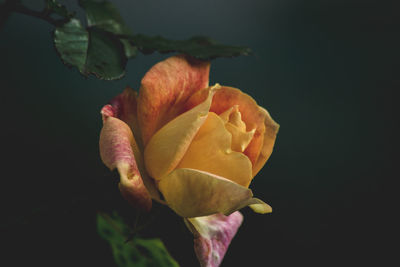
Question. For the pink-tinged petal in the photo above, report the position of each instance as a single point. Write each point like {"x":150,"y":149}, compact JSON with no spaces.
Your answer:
{"x":167,"y":147}
{"x":212,"y":236}
{"x":165,"y":88}
{"x":124,"y":107}
{"x":254,"y":116}
{"x":193,"y":193}
{"x":116,"y":150}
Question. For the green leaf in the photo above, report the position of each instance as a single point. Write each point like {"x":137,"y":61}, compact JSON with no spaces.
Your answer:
{"x":71,"y":42}
{"x":92,"y":51}
{"x":200,"y":47}
{"x":136,"y":252}
{"x":105,"y":15}
{"x":105,"y":55}
{"x":55,"y":7}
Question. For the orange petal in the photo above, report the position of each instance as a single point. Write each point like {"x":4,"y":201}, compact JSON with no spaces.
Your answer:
{"x":194,"y":193}
{"x":210,"y":151}
{"x":116,"y":150}
{"x":165,"y":88}
{"x":254,"y":116}
{"x":271,"y":130}
{"x":167,"y":147}
{"x":213,"y":234}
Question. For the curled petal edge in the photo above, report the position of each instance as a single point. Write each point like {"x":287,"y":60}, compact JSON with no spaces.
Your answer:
{"x":124,"y":108}
{"x":212,"y":236}
{"x":193,"y":193}
{"x":116,"y":151}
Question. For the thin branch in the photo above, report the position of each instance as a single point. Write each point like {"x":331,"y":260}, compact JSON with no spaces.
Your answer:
{"x":15,"y":6}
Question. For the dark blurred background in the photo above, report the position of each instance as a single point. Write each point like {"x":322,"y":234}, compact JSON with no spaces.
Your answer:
{"x":326,"y":71}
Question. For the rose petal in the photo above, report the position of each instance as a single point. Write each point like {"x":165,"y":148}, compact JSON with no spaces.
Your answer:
{"x":234,"y":124}
{"x":253,"y":115}
{"x":213,"y":234}
{"x":124,"y":107}
{"x":116,"y":150}
{"x":210,"y":151}
{"x":194,"y":193}
{"x":167,"y":147}
{"x":165,"y":88}
{"x":271,"y":130}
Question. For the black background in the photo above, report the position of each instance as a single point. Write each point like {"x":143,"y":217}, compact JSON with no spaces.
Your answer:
{"x":326,"y":71}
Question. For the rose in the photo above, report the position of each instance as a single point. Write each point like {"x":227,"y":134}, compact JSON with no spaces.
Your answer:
{"x":199,"y":146}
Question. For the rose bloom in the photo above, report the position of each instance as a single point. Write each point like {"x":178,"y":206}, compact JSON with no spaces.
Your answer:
{"x":191,"y":146}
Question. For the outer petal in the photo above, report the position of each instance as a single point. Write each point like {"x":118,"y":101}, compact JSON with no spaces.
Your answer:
{"x":253,"y":115}
{"x":213,"y":234}
{"x":271,"y":130}
{"x":116,"y":151}
{"x":124,"y":107}
{"x":210,"y":151}
{"x":167,"y":147}
{"x":194,"y":193}
{"x":165,"y":88}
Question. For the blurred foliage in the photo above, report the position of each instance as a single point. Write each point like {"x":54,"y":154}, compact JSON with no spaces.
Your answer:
{"x":136,"y":252}
{"x":103,"y":47}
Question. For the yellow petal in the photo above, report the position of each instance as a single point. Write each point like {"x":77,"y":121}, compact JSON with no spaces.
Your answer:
{"x":234,"y":124}
{"x":194,"y":193}
{"x":167,"y":147}
{"x":255,"y":117}
{"x":210,"y":151}
{"x":260,"y":206}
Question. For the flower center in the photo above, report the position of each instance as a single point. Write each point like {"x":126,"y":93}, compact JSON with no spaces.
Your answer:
{"x":234,"y":124}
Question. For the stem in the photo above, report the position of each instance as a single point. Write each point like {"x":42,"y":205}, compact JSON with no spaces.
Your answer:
{"x":15,"y":6}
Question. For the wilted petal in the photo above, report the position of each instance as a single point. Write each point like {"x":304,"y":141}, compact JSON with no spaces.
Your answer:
{"x":210,"y":151}
{"x":167,"y":147}
{"x":116,"y":150}
{"x":124,"y":107}
{"x":212,"y":236}
{"x":253,"y":115}
{"x":165,"y":88}
{"x":194,"y":193}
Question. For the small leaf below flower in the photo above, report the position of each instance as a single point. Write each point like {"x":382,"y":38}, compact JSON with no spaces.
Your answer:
{"x":138,"y":251}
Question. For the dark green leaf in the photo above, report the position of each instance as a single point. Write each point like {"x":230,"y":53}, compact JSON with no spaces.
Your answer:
{"x":71,"y":41}
{"x":92,"y":51}
{"x":199,"y":47}
{"x":105,"y":15}
{"x":137,"y":252}
{"x":105,"y":56}
{"x":55,"y":7}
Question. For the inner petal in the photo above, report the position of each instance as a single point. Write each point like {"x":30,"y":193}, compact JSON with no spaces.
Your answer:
{"x":211,"y":151}
{"x":234,"y":124}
